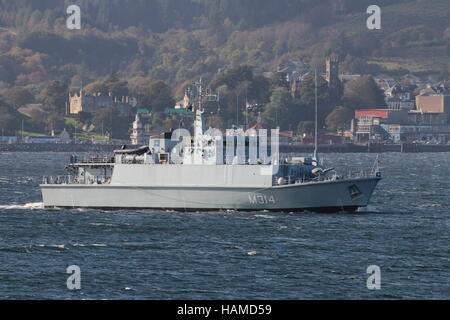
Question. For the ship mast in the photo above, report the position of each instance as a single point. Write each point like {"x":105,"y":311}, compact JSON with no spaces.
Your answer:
{"x":202,"y":96}
{"x":316,"y":118}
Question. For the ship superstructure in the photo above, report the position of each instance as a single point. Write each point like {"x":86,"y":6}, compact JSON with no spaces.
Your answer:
{"x":238,"y":170}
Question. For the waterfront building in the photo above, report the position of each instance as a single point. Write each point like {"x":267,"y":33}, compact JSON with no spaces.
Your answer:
{"x":8,"y":140}
{"x":429,"y":102}
{"x":399,"y":126}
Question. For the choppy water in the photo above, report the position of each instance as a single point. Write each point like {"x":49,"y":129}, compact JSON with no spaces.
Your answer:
{"x":165,"y":255}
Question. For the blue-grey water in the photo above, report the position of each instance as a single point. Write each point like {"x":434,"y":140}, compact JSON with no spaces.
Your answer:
{"x":228,"y":255}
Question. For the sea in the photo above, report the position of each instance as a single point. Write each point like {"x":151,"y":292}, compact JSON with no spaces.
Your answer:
{"x":397,"y":248}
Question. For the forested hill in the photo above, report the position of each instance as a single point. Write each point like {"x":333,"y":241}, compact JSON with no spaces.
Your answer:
{"x":175,"y":40}
{"x":133,"y":43}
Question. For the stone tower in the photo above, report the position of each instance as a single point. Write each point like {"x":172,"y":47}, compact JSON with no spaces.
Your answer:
{"x":333,"y":70}
{"x":333,"y":80}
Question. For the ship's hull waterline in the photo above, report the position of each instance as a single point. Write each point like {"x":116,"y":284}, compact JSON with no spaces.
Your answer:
{"x":328,"y":196}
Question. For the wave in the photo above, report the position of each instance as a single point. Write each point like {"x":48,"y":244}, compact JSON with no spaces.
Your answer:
{"x":101,"y":224}
{"x":89,"y":245}
{"x":66,"y":246}
{"x":54,"y":246}
{"x":27,"y":206}
{"x":264,"y":216}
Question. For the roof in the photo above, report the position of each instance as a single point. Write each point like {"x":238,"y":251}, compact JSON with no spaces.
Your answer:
{"x":288,"y":134}
{"x":41,"y":137}
{"x":382,"y":113}
{"x":143,"y":111}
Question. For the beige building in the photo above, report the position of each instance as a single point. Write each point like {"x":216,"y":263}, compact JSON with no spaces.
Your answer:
{"x":140,"y":131}
{"x":435,"y":103}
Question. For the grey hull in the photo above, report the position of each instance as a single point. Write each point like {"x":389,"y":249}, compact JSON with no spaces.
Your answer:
{"x":329,"y":196}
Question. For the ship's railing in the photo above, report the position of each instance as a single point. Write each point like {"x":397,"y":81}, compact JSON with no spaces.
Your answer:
{"x":354,"y":174}
{"x":133,"y":161}
{"x":93,"y":160}
{"x":58,"y":180}
{"x":67,"y":180}
{"x":99,"y":160}
{"x":331,"y":176}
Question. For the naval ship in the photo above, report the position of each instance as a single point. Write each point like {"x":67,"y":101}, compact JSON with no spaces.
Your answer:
{"x":208,"y":172}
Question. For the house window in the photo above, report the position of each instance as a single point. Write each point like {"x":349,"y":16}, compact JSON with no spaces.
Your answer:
{"x":157,"y":143}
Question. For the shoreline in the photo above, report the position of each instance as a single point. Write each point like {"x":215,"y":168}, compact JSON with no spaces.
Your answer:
{"x":291,"y":148}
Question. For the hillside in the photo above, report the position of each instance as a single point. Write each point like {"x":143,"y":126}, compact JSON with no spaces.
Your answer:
{"x":139,"y":42}
{"x":187,"y":38}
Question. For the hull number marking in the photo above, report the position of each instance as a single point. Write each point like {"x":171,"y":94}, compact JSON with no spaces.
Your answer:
{"x":257,"y":198}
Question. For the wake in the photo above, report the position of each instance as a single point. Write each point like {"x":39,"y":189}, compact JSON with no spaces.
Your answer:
{"x":27,"y":206}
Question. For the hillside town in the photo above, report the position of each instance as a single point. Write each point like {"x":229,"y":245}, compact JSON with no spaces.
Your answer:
{"x":415,"y":110}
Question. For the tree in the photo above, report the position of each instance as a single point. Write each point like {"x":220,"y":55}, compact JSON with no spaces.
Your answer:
{"x":103,"y":120}
{"x":259,"y":89}
{"x":360,"y":66}
{"x":325,"y":101}
{"x":118,"y":88}
{"x":113,"y":86}
{"x":55,"y":122}
{"x":278,"y":113}
{"x":37,"y":121}
{"x":55,"y":96}
{"x":306,"y":127}
{"x":158,"y":96}
{"x":363,"y":93}
{"x":279,"y":80}
{"x":233,"y":77}
{"x":8,"y":122}
{"x":339,"y":118}
{"x":17,"y":97}
{"x":97,"y":87}
{"x":320,"y":16}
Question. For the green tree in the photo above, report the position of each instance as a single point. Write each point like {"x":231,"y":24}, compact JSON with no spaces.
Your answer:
{"x":259,"y":90}
{"x":279,"y":80}
{"x":325,"y":101}
{"x":55,"y":122}
{"x":339,"y":118}
{"x":233,"y":77}
{"x":363,"y":93}
{"x":158,"y":96}
{"x":97,"y":87}
{"x":8,"y":121}
{"x":278,"y":112}
{"x":37,"y":121}
{"x":306,"y":127}
{"x":17,"y":97}
{"x":118,"y":88}
{"x":103,"y":120}
{"x":55,"y":96}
